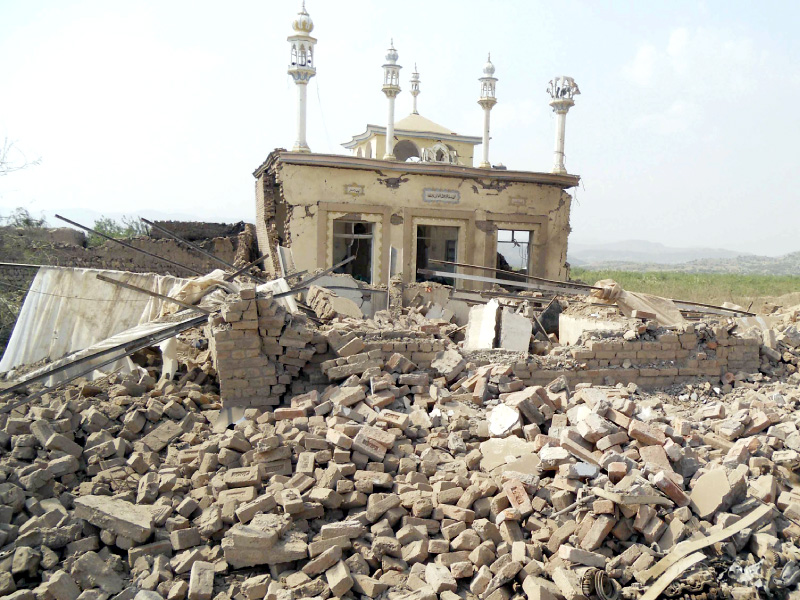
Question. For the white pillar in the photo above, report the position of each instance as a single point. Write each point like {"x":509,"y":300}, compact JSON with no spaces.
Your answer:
{"x":301,"y":68}
{"x":487,"y":101}
{"x":562,"y":91}
{"x":301,"y":145}
{"x":391,"y":87}
{"x":485,"y":164}
{"x":558,"y":155}
{"x":389,"y":155}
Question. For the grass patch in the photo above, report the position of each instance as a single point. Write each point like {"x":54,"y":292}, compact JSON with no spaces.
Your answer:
{"x":698,"y":287}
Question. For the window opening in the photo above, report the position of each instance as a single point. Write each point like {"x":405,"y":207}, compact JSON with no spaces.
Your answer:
{"x":435,"y":242}
{"x":353,"y":238}
{"x":514,"y":250}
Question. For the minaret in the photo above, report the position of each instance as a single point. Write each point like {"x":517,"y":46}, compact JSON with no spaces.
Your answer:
{"x":487,"y":101}
{"x":561,"y":90}
{"x":415,"y":89}
{"x":301,"y":68}
{"x":391,"y":87}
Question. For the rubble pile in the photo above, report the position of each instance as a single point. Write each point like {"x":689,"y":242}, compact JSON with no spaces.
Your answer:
{"x":780,"y":350}
{"x":395,"y":482}
{"x":378,"y":458}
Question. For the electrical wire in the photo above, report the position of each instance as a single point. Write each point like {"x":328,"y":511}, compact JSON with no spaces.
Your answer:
{"x":15,"y":287}
{"x":322,"y":115}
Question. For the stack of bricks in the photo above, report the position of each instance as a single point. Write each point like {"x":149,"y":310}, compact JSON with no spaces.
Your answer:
{"x":258,"y":350}
{"x":671,"y":358}
{"x":420,"y":349}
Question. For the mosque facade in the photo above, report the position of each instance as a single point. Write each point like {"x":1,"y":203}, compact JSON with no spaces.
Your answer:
{"x":408,"y":197}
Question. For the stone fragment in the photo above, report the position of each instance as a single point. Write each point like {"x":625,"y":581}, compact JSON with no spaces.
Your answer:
{"x":201,"y":581}
{"x":709,"y":493}
{"x":439,"y":578}
{"x":339,"y":579}
{"x":118,"y":516}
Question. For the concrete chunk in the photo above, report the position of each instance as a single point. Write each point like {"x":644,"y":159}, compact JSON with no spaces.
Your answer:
{"x":118,"y":516}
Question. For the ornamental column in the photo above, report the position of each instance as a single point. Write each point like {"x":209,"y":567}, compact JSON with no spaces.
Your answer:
{"x":391,"y":87}
{"x":301,"y":68}
{"x":561,"y":90}
{"x":487,"y":101}
{"x":414,"y":90}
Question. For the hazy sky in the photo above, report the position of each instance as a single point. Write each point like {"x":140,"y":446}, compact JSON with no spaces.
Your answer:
{"x":686,"y":131}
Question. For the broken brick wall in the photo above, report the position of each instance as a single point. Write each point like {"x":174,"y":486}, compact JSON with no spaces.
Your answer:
{"x":260,"y":351}
{"x":49,"y":247}
{"x":672,"y":358}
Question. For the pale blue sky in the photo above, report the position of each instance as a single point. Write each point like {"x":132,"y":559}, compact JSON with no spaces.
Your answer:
{"x":685,"y":133}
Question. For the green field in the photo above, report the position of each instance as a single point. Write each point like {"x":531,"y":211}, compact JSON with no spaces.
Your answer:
{"x":708,"y":288}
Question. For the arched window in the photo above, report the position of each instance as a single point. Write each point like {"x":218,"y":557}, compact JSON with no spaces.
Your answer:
{"x":405,"y":150}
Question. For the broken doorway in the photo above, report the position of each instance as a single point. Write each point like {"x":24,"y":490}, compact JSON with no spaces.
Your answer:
{"x":435,"y":242}
{"x":353,"y":238}
{"x":514,"y":250}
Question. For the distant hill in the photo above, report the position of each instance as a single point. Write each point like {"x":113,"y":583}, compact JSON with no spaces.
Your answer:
{"x":641,"y":251}
{"x":788,"y":264}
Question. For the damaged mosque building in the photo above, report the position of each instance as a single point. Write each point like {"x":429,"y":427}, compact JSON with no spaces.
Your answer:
{"x":410,"y":193}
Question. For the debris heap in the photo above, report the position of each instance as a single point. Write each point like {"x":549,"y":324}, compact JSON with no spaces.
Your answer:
{"x":384,"y":478}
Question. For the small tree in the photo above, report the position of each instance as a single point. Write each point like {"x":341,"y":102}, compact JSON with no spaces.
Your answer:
{"x":21,"y":217}
{"x":127,"y":227}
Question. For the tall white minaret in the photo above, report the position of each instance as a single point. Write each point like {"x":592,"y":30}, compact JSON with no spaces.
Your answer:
{"x":301,"y":68}
{"x":561,"y":90}
{"x":391,"y":87}
{"x":414,"y":89}
{"x":487,"y":102}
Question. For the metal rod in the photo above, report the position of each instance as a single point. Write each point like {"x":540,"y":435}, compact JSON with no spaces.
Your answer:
{"x":154,"y":294}
{"x":331,"y":287}
{"x":539,"y":323}
{"x":195,"y":247}
{"x":522,"y":284}
{"x":124,"y":347}
{"x":7,"y":264}
{"x":178,"y":238}
{"x":491,"y":294}
{"x":244,"y":268}
{"x":305,"y":282}
{"x":144,"y":342}
{"x":573,"y":285}
{"x":131,"y":246}
{"x":528,"y":277}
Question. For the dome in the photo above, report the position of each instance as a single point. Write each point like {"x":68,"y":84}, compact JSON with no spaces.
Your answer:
{"x":302,"y":22}
{"x":488,"y":68}
{"x":391,"y":54}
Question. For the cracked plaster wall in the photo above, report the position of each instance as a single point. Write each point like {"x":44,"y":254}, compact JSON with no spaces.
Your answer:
{"x":397,"y":200}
